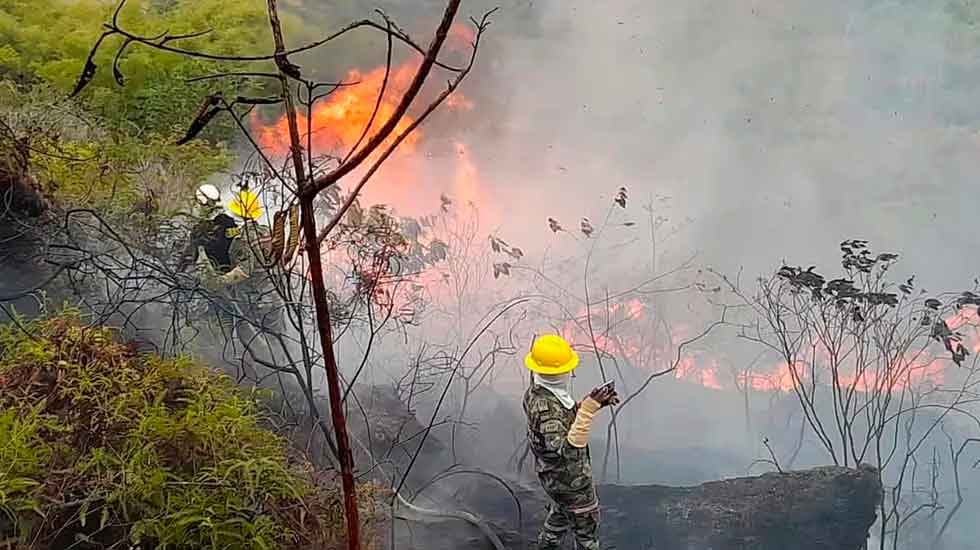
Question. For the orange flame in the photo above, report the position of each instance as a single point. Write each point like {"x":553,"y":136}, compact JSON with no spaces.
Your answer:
{"x":337,"y":125}
{"x":907,"y":371}
{"x":338,"y":122}
{"x":910,"y":370}
{"x":688,"y":369}
{"x":781,"y":380}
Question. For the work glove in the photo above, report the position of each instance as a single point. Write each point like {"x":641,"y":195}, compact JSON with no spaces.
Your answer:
{"x":233,"y":277}
{"x":578,"y":435}
{"x":605,"y":396}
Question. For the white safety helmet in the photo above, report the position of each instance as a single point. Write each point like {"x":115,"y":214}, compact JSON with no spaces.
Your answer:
{"x":208,"y":195}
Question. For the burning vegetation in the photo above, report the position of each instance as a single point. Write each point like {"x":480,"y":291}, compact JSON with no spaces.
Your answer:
{"x":358,"y":106}
{"x":375,"y":247}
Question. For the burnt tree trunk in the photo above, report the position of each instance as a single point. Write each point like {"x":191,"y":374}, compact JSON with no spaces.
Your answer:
{"x":22,"y":206}
{"x":828,"y":508}
{"x":19,"y":194}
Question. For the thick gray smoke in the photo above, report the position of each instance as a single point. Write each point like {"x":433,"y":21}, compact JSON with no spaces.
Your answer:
{"x":782,"y":128}
{"x":778,"y":129}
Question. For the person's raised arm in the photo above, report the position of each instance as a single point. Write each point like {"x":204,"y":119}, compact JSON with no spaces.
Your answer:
{"x":578,"y":435}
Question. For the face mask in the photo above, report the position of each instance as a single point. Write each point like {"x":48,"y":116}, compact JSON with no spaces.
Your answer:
{"x":557,"y":384}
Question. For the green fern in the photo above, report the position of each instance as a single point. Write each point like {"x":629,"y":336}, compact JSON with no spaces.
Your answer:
{"x":145,"y":450}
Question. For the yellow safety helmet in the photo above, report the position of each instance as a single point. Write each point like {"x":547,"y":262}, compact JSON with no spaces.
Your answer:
{"x":551,"y":354}
{"x":246,"y":205}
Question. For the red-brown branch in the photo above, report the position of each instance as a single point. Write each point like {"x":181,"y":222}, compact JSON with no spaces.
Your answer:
{"x":320,"y":303}
{"x":389,"y":126}
{"x":390,"y":149}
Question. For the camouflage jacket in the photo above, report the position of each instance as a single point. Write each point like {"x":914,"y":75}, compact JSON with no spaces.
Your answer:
{"x":247,"y":251}
{"x":212,"y":235}
{"x":565,"y":471}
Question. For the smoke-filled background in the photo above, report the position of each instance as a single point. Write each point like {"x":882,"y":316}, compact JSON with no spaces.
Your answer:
{"x":756,"y":132}
{"x":780,"y":128}
{"x":760,"y":131}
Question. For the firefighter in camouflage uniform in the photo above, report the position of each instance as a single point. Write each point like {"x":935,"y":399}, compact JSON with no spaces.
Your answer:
{"x":558,"y":433}
{"x":210,"y":232}
{"x":248,"y":283}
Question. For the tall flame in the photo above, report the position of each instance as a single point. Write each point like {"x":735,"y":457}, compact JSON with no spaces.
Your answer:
{"x":411,"y":179}
{"x":338,"y":122}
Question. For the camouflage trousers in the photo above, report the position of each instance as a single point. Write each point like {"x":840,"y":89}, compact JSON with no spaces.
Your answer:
{"x":244,"y":312}
{"x":584,"y":525}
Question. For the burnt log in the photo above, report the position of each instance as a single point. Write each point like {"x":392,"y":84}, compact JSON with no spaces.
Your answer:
{"x":827,"y":508}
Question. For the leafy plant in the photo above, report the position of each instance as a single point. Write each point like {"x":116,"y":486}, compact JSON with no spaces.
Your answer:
{"x":101,"y":445}
{"x":49,"y":43}
{"x":81,"y":161}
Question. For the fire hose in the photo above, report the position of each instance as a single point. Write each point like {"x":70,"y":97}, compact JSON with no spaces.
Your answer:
{"x":421,"y":512}
{"x":461,"y":515}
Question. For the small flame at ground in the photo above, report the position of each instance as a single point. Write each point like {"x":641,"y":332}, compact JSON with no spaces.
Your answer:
{"x":698,"y":367}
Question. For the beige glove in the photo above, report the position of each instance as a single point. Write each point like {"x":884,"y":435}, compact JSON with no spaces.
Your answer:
{"x":234,"y":276}
{"x":210,"y":277}
{"x":578,"y":436}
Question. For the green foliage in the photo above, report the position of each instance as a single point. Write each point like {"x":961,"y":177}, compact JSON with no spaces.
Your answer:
{"x":113,"y":148}
{"x":8,"y":56}
{"x":119,"y":174}
{"x":101,"y":444}
{"x":79,"y":161}
{"x":50,"y":41}
{"x":23,"y":455}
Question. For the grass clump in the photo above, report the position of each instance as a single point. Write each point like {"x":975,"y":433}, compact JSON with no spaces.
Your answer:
{"x":101,"y":446}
